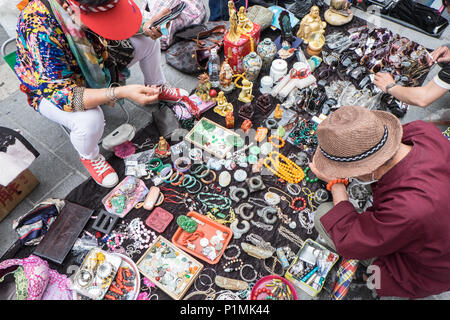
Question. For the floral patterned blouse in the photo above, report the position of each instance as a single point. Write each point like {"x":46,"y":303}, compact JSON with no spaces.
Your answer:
{"x":45,"y":64}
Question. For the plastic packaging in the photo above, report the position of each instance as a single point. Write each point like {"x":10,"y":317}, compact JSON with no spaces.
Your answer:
{"x":214,"y":69}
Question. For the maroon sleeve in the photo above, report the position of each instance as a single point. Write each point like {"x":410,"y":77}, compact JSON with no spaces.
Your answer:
{"x":368,"y":234}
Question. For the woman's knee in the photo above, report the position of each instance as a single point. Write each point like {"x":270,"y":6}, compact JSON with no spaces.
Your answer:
{"x":89,"y":123}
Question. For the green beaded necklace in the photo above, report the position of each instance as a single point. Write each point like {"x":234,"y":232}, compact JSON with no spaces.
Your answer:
{"x":208,"y":202}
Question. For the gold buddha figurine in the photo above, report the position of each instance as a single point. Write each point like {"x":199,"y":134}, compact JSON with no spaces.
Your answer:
{"x":162,"y":150}
{"x":311,"y":23}
{"x":246,"y":92}
{"x":245,"y":25}
{"x":223,"y":106}
{"x":278,"y":113}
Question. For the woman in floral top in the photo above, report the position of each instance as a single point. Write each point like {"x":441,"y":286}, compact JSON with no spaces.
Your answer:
{"x":68,"y":64}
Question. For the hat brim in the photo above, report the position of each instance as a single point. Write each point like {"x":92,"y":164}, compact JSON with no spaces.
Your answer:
{"x":119,"y":23}
{"x":337,"y":169}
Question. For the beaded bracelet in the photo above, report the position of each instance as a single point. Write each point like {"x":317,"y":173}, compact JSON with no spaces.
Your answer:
{"x":226,"y":267}
{"x":238,"y":253}
{"x":267,"y":291}
{"x":282,"y":142}
{"x":333,"y":182}
{"x":308,"y":179}
{"x":298,"y":199}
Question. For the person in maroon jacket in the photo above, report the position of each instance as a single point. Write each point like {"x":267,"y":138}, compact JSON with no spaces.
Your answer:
{"x":406,"y":231}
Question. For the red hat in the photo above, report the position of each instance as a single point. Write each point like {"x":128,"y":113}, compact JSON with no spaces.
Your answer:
{"x":116,"y":20}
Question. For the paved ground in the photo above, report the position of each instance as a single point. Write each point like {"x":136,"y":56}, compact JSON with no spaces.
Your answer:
{"x":58,"y":168}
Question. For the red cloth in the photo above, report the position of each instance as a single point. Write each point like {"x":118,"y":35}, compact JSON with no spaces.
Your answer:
{"x":408,"y":226}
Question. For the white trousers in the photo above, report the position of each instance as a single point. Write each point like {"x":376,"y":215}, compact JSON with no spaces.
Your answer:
{"x":86,"y":127}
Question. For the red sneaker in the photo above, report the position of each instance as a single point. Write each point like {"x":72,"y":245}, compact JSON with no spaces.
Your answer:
{"x":101,"y":171}
{"x":170,"y":94}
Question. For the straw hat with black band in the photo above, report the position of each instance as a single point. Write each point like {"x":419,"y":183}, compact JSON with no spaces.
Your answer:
{"x":355,"y":141}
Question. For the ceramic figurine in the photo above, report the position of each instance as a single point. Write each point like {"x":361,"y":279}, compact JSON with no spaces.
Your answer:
{"x":203,"y":87}
{"x":234,"y":33}
{"x":246,"y":125}
{"x":246,"y":92}
{"x":286,"y":50}
{"x":162,"y":150}
{"x":311,"y":23}
{"x":226,"y":77}
{"x":267,"y":50}
{"x":229,"y":120}
{"x":285,"y":27}
{"x":252,"y":66}
{"x":223,"y":106}
{"x":339,"y":13}
{"x":245,"y":25}
{"x":278,"y":113}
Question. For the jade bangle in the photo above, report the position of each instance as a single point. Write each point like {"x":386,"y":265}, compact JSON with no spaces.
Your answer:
{"x":189,"y":183}
{"x":204,"y":173}
{"x":152,"y":161}
{"x":164,"y":166}
{"x":171,"y":178}
{"x":196,"y":191}
{"x":198,"y":169}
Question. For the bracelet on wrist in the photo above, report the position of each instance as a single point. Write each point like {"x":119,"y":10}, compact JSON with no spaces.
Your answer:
{"x":77,"y":100}
{"x":336,"y":181}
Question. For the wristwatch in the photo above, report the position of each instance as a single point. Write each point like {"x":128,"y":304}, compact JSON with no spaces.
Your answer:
{"x":390,"y":86}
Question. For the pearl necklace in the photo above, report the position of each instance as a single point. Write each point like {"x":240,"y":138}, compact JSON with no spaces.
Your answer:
{"x":141,"y":234}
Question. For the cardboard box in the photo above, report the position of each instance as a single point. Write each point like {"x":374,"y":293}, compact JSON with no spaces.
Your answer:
{"x":16,"y":191}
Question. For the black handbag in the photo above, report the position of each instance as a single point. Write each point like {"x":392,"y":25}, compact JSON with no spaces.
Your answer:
{"x":191,"y":53}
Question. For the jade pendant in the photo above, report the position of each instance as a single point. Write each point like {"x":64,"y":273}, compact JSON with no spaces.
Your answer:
{"x":187,"y":224}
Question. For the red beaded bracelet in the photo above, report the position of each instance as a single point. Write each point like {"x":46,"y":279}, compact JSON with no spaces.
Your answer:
{"x":298,"y":199}
{"x":262,"y":290}
{"x":333,"y":182}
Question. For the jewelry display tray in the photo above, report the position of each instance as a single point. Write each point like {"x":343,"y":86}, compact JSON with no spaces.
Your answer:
{"x":220,"y":154}
{"x":112,"y":259}
{"x":209,"y":228}
{"x":144,"y":267}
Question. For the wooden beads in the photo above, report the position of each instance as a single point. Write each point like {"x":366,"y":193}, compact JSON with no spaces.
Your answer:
{"x":333,"y":182}
{"x":303,"y":207}
{"x":282,"y":142}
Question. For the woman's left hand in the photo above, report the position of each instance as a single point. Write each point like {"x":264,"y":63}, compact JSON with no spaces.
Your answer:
{"x":152,"y":32}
